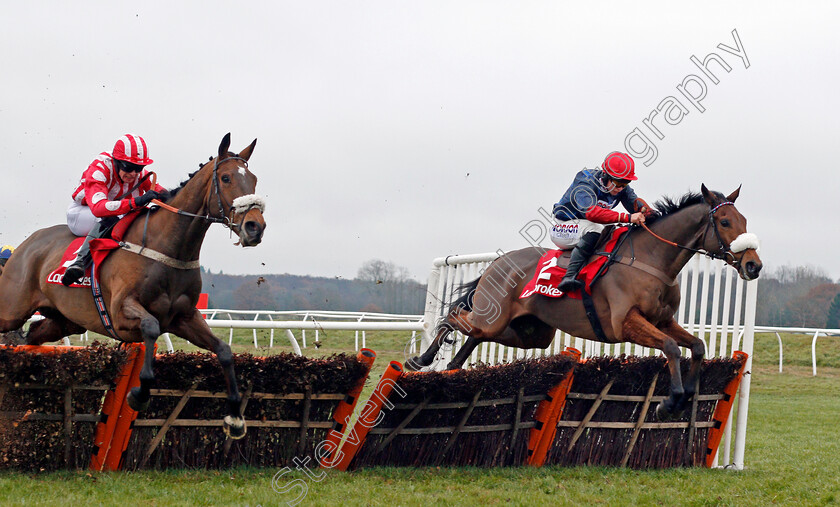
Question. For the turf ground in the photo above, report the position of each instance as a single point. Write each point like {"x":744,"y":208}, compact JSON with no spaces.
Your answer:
{"x":792,"y":456}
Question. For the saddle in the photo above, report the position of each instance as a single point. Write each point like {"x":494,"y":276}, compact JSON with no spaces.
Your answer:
{"x":552,"y":267}
{"x":100,"y":248}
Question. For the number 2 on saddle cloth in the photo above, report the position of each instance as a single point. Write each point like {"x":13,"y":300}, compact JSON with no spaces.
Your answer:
{"x":550,"y":271}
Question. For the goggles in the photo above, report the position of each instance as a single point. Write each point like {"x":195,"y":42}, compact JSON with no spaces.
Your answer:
{"x":128,"y":167}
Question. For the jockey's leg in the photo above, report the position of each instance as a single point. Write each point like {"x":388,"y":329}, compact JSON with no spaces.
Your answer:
{"x":76,"y":271}
{"x":583,"y":250}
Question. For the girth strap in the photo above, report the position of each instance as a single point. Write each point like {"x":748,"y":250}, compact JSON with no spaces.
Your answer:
{"x":592,"y":315}
{"x":99,"y":301}
{"x":159,"y":257}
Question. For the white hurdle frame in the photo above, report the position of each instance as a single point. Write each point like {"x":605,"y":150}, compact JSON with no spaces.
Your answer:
{"x":708,"y":320}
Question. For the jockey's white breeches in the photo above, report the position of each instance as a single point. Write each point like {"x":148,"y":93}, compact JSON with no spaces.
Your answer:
{"x":567,"y":234}
{"x":80,"y":219}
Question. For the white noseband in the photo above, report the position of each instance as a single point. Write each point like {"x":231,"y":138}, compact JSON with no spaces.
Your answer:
{"x":743,"y":242}
{"x":247,"y":202}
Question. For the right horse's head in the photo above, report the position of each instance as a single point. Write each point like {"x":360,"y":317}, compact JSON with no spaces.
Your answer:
{"x":738,"y":247}
{"x":232,"y":194}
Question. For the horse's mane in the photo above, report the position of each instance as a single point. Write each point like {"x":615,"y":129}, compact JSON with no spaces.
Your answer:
{"x":180,"y":187}
{"x":669,"y":205}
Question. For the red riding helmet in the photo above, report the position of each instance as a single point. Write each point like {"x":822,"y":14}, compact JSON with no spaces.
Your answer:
{"x":131,"y":148}
{"x":619,"y":166}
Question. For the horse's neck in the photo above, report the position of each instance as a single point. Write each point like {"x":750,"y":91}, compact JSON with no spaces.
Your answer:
{"x":684,"y":227}
{"x":177,"y":236}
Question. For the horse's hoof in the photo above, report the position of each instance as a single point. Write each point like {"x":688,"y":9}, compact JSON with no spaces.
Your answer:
{"x":414,"y":364}
{"x":134,"y":402}
{"x":234,"y":427}
{"x":662,"y":412}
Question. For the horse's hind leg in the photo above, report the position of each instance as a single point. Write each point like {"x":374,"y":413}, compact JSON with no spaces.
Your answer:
{"x":194,"y":329}
{"x":428,"y":356}
{"x":462,"y":355}
{"x":637,"y":329}
{"x":698,"y":350}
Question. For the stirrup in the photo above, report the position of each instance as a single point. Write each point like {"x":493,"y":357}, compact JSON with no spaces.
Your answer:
{"x":569,"y":285}
{"x":72,"y":275}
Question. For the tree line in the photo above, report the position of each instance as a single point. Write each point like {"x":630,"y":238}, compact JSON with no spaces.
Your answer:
{"x":788,"y":296}
{"x":379,"y":286}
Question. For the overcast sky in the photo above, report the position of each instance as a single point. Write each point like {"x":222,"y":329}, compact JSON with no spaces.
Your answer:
{"x":406,"y":131}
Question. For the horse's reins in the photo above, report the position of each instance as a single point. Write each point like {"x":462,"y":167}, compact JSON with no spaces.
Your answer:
{"x":225,"y":220}
{"x":725,"y":249}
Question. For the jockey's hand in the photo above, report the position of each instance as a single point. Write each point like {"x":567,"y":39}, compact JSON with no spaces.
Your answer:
{"x":637,"y":218}
{"x":146,"y":198}
{"x":163,"y":196}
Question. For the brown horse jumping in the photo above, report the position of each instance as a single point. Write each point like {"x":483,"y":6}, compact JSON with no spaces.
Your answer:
{"x":145,"y":296}
{"x":632,"y":304}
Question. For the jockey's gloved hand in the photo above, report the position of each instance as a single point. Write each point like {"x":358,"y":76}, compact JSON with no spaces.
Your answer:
{"x":146,"y":198}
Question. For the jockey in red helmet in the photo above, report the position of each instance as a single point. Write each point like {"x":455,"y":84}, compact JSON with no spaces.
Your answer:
{"x":113,"y":184}
{"x":587,"y":206}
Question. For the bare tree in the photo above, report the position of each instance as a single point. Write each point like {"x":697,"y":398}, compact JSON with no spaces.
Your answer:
{"x":391,"y":287}
{"x":379,"y":271}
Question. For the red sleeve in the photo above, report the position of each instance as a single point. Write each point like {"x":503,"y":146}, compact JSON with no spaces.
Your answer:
{"x":601,"y":215}
{"x":96,"y":193}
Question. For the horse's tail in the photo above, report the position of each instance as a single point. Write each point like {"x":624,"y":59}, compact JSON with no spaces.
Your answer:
{"x":464,"y":301}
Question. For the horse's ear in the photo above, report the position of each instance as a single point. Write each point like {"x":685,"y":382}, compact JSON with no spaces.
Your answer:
{"x":711,"y":200}
{"x":223,"y":147}
{"x":246,"y":153}
{"x":734,"y":195}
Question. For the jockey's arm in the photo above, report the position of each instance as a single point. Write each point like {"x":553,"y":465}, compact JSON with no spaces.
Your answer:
{"x":601,"y":215}
{"x":634,"y":203}
{"x":98,"y":201}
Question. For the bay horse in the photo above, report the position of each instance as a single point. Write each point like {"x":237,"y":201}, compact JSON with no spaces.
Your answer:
{"x":633,"y":303}
{"x":145,"y":296}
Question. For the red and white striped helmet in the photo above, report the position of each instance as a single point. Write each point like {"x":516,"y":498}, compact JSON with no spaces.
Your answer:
{"x":131,"y":148}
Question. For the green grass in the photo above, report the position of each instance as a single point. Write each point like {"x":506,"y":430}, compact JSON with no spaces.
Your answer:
{"x":792,"y":457}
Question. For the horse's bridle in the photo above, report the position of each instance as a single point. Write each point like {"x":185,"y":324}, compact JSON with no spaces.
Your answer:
{"x":225,"y":219}
{"x":725,"y":250}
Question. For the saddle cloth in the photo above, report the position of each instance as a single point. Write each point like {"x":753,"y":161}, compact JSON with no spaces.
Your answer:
{"x":99,"y":249}
{"x":549,"y":273}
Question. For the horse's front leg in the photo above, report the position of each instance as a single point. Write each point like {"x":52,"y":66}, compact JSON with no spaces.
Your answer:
{"x":138,"y":398}
{"x":195,"y":330}
{"x":698,"y":350}
{"x":637,"y":329}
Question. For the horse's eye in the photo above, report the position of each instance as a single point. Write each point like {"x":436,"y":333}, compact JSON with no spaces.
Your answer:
{"x":226,"y":179}
{"x":724,"y":223}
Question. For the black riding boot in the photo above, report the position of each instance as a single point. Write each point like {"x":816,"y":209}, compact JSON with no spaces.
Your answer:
{"x":583,"y":250}
{"x":76,"y":271}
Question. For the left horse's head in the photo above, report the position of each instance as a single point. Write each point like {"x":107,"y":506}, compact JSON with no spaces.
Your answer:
{"x":232,"y":193}
{"x":738,"y":247}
